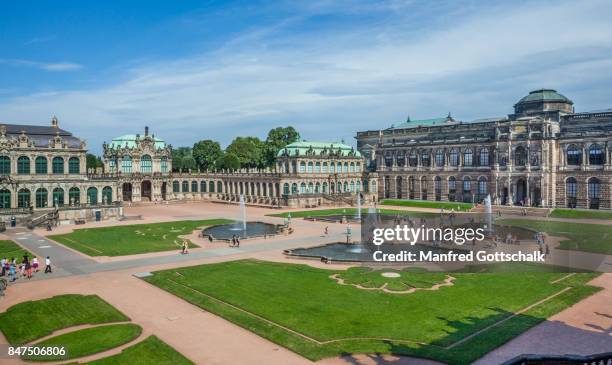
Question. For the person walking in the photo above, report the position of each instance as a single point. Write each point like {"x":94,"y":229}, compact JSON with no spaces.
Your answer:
{"x":47,"y":265}
{"x":12,"y":272}
{"x":326,"y":230}
{"x":237,"y":241}
{"x":3,"y":263}
{"x":28,"y":269}
{"x":35,"y":264}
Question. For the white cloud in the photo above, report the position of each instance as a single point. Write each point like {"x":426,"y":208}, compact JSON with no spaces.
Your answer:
{"x":54,"y":67}
{"x":333,"y":83}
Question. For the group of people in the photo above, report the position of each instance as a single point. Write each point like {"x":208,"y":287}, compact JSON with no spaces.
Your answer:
{"x":26,"y":268}
{"x":541,"y":241}
{"x":235,"y":241}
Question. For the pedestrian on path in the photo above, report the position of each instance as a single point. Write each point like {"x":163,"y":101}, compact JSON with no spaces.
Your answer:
{"x":35,"y":264}
{"x":326,"y":230}
{"x":47,"y":265}
{"x":3,"y":263}
{"x":12,"y":273}
{"x":28,"y":269}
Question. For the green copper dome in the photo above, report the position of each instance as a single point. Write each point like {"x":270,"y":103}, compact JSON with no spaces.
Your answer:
{"x":300,"y":148}
{"x":129,"y":141}
{"x":545,"y":95}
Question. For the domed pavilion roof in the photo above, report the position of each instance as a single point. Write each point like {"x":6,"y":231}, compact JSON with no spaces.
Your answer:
{"x":545,"y":95}
{"x":130,"y":141}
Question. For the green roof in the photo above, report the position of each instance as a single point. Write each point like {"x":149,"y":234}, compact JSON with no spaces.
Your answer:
{"x":423,"y":122}
{"x":544,"y":95}
{"x":129,"y":141}
{"x":300,"y":148}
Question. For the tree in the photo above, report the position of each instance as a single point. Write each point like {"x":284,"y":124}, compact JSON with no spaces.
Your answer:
{"x":189,"y":164}
{"x":178,"y":157}
{"x":228,"y":161}
{"x":249,"y":151}
{"x":93,"y":161}
{"x":277,"y":139}
{"x":206,"y":153}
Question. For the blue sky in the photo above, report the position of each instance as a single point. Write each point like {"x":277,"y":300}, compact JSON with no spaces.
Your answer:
{"x":195,"y":70}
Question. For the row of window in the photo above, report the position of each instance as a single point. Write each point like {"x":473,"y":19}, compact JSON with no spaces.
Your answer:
{"x":324,"y":168}
{"x":41,"y":165}
{"x":146,"y":164}
{"x":184,"y":187}
{"x":596,"y":155}
{"x":41,"y":195}
{"x":470,"y":158}
{"x":466,"y":184}
{"x":316,"y":188}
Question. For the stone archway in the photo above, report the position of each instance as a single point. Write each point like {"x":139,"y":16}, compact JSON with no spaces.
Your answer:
{"x":127,"y":192}
{"x":164,"y":190}
{"x":520,"y":197}
{"x":145,"y":190}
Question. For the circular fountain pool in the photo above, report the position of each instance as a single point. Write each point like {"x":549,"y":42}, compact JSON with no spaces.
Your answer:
{"x":250,"y":230}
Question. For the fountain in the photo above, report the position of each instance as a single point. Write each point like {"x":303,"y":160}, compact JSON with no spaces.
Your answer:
{"x":358,"y":216}
{"x":489,"y":214}
{"x":242,"y":212}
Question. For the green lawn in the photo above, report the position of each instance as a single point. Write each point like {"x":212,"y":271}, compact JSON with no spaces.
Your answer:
{"x":407,"y":279}
{"x":10,"y":249}
{"x":28,"y":321}
{"x":132,"y":239}
{"x":457,"y":206}
{"x":349,"y":211}
{"x":339,"y":319}
{"x":150,"y":351}
{"x":89,"y":341}
{"x":581,"y":214}
{"x":596,"y":238}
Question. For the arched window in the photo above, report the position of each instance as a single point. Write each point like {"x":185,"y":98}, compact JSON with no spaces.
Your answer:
{"x":424,"y":158}
{"x":318,"y":167}
{"x":352,"y":167}
{"x":388,"y":159}
{"x":310,"y":188}
{"x":358,"y":167}
{"x":310,"y":167}
{"x":571,"y":192}
{"x":163,"y":164}
{"x":41,"y":165}
{"x":211,"y":187}
{"x":467,"y":184}
{"x":439,"y":158}
{"x":57,"y":165}
{"x":302,"y":166}
{"x":74,"y":196}
{"x":185,"y":187}
{"x":203,"y":186}
{"x":594,"y":193}
{"x":42,"y":198}
{"x":146,"y":164}
{"x":332,"y":167}
{"x":438,"y":188}
{"x":194,"y":186}
{"x":345,"y":187}
{"x":286,"y":188}
{"x":484,"y":157}
{"x":74,"y":165}
{"x":324,"y":168}
{"x":400,"y":159}
{"x":5,"y":198}
{"x":345,"y":167}
{"x":468,"y":157}
{"x":352,"y":187}
{"x":482,"y":188}
{"x":126,"y":165}
{"x":107,"y":195}
{"x":23,"y":165}
{"x":454,"y":157}
{"x":413,"y":160}
{"x":23,"y":198}
{"x":596,"y":155}
{"x":294,"y":188}
{"x":58,"y":197}
{"x":219,"y":187}
{"x":520,"y":156}
{"x":112,"y":165}
{"x":574,"y":155}
{"x":302,"y":188}
{"x":92,"y":195}
{"x":324,"y":187}
{"x":5,"y":165}
{"x":176,"y":187}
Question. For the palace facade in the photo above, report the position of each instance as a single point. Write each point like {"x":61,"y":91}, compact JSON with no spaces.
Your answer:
{"x":544,"y":154}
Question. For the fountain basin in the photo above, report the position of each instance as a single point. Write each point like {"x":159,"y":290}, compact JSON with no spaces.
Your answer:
{"x":225,"y":232}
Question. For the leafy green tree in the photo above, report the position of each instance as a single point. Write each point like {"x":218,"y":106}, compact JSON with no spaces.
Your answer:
{"x":249,"y":151}
{"x":228,"y":161}
{"x":189,"y":164}
{"x":178,"y":156}
{"x":277,"y":139}
{"x":93,"y":161}
{"x":206,"y":153}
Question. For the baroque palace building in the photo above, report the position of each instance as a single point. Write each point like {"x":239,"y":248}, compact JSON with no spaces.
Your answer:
{"x":544,"y":154}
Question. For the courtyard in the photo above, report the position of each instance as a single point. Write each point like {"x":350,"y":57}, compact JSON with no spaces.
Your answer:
{"x":282,"y":310}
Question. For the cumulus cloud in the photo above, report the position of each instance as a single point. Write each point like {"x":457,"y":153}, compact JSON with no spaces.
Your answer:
{"x":333,"y":81}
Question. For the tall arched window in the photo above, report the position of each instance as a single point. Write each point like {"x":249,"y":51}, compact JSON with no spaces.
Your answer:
{"x":596,"y":155}
{"x":438,"y":188}
{"x":574,"y":155}
{"x":453,"y":157}
{"x":571,"y":192}
{"x":126,"y":165}
{"x":74,"y":196}
{"x":107,"y":195}
{"x":325,"y":188}
{"x":324,"y":168}
{"x":468,"y":156}
{"x":176,"y":187}
{"x":332,"y":167}
{"x":146,"y":164}
{"x":413,"y":159}
{"x":185,"y":187}
{"x":302,"y":166}
{"x":23,"y":165}
{"x":23,"y":198}
{"x":358,"y":167}
{"x":425,"y":158}
{"x":484,"y":157}
{"x":163,"y":164}
{"x":594,"y":192}
{"x":345,"y":187}
{"x":286,"y":188}
{"x":424,"y":188}
{"x":203,"y":186}
{"x":439,"y":158}
{"x":5,"y":198}
{"x":58,"y":197}
{"x":400,"y":159}
{"x":294,"y":188}
{"x":41,"y":165}
{"x":211,"y":187}
{"x":92,"y":195}
{"x":467,"y":190}
{"x":345,"y":167}
{"x":194,"y":186}
{"x":219,"y":187}
{"x":317,"y":168}
{"x":5,"y":165}
{"x":520,"y":156}
{"x":74,"y":165}
{"x":42,"y":198}
{"x":58,"y":165}
{"x":482,"y":188}
{"x":303,"y":188}
{"x":310,"y":167}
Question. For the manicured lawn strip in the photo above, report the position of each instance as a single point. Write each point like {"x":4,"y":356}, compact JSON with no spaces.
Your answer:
{"x":132,"y":239}
{"x":28,"y":321}
{"x":10,"y":249}
{"x":596,"y":238}
{"x":89,"y":341}
{"x":581,"y":214}
{"x":350,"y":212}
{"x":326,"y":311}
{"x":457,"y":206}
{"x":152,"y":350}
